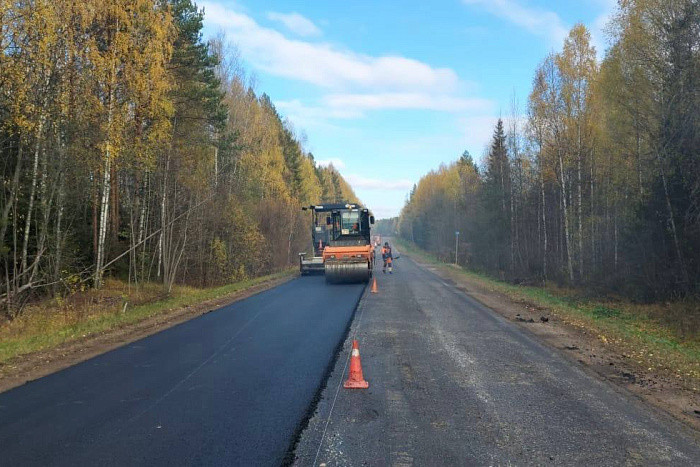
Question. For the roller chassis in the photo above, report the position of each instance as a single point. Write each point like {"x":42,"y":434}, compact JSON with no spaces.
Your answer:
{"x":310,"y":266}
{"x":343,"y":249}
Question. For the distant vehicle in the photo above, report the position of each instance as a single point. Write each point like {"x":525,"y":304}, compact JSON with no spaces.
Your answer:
{"x":342,"y":243}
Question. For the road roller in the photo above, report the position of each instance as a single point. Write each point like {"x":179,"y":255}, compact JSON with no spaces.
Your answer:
{"x":320,"y":233}
{"x":342,"y":243}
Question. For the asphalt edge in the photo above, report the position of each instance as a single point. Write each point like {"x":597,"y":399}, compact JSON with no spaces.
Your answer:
{"x":291,"y":456}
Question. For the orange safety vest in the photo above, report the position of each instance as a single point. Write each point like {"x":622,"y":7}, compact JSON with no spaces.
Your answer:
{"x":386,"y":254}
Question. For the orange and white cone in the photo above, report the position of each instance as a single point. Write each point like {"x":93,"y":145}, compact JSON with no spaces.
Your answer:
{"x":355,"y":378}
{"x":374,"y":286}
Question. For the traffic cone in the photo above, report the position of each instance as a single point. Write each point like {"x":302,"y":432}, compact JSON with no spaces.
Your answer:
{"x":355,"y":378}
{"x":374,"y":286}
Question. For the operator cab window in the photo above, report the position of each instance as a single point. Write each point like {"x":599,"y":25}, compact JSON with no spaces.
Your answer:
{"x":350,"y":223}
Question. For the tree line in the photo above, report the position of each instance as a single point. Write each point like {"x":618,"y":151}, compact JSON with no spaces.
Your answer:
{"x":597,"y":183}
{"x":131,"y":147}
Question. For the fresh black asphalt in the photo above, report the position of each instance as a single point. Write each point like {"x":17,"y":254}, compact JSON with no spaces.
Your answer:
{"x":227,"y":388}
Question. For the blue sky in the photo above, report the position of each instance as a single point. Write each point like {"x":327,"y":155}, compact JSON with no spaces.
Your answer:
{"x":389,"y":90}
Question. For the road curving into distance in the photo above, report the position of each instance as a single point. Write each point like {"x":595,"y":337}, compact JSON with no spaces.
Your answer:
{"x":230,"y":387}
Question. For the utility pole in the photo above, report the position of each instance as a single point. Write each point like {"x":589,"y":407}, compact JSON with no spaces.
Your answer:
{"x":456,"y":245}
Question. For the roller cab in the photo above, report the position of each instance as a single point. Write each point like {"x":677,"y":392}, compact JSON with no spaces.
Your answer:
{"x":349,"y":256}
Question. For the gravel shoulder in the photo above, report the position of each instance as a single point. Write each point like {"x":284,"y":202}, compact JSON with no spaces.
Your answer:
{"x":584,"y":347}
{"x":459,"y":381}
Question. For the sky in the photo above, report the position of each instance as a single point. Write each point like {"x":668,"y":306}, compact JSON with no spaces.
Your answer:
{"x":388,"y":90}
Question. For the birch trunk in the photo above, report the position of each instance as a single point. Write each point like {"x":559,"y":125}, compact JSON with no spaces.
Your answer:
{"x":163,"y":216}
{"x":104,"y":214}
{"x":216,"y":165}
{"x":60,"y":200}
{"x":143,"y":222}
{"x":114,"y":203}
{"x":59,"y":225}
{"x":580,"y":204}
{"x":106,"y":185}
{"x":569,"y":263}
{"x":106,"y":180}
{"x":46,"y":202}
{"x":593,"y":221}
{"x":544,"y":227}
{"x":95,"y":218}
{"x":32,"y":195}
{"x":174,"y":267}
{"x":512,"y":232}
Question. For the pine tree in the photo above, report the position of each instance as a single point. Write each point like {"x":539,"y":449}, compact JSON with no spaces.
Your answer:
{"x":496,"y":192}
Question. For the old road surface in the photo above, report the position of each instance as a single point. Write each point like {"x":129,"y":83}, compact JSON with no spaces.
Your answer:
{"x":227,"y":388}
{"x":453,"y":384}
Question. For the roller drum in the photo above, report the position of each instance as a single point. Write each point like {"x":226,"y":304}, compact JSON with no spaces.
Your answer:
{"x":344,"y":272}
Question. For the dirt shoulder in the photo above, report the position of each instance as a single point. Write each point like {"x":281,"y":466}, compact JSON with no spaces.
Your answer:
{"x":584,"y":346}
{"x":25,"y":368}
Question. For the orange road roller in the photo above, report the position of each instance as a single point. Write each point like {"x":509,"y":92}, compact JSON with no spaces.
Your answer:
{"x":342,"y":243}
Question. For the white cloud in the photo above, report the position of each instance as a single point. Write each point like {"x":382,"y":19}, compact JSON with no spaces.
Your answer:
{"x":360,"y":182}
{"x":477,"y":133}
{"x":537,"y":21}
{"x":334,"y":161}
{"x":295,"y":108}
{"x":422,"y":101}
{"x":547,"y":23}
{"x":598,"y":35}
{"x":296,"y":23}
{"x":315,"y":116}
{"x":324,"y":64}
{"x":353,"y":106}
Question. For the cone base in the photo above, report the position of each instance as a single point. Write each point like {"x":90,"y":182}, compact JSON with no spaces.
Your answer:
{"x":356,"y":384}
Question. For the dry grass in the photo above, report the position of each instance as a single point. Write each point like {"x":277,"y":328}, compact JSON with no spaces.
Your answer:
{"x":53,"y":322}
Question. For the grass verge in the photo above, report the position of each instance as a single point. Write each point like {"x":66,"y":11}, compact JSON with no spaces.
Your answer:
{"x":656,"y":337}
{"x":51,"y":323}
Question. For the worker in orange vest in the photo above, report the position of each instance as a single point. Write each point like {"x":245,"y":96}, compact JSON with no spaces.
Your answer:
{"x":386,"y":256}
